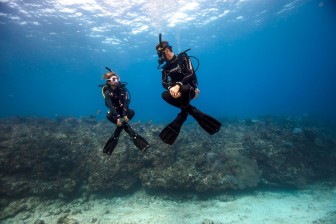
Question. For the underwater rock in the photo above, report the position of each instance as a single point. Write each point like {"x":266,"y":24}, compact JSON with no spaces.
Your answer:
{"x":19,"y":206}
{"x":66,"y":220}
{"x":63,"y":158}
{"x":39,"y":221}
{"x":328,"y":219}
{"x":208,"y":221}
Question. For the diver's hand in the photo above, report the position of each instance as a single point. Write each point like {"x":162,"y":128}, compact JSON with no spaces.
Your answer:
{"x":175,"y":91}
{"x":126,"y":119}
{"x":119,"y":122}
{"x":197,"y":91}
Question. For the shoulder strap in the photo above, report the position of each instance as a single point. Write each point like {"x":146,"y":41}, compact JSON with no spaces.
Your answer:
{"x":104,"y":88}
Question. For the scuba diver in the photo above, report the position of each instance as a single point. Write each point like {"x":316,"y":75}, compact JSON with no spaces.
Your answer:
{"x":180,"y":81}
{"x":117,"y":100}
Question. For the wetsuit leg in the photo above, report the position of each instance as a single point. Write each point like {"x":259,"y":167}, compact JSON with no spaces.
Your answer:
{"x":130,"y":114}
{"x":208,"y":123}
{"x":111,"y":118}
{"x":171,"y":100}
{"x":112,"y":142}
{"x":187,"y":94}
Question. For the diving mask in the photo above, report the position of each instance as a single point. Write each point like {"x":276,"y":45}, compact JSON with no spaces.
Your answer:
{"x":160,"y":50}
{"x":160,"y":47}
{"x":114,"y":80}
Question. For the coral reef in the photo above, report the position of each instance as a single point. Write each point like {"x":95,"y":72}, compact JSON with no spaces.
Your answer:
{"x":63,"y":157}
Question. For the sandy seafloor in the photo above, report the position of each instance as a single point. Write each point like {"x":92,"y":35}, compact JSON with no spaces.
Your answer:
{"x":315,"y":204}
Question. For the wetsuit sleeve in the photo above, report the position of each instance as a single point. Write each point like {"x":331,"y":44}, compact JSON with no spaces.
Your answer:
{"x":109,"y":104}
{"x":165,"y":81}
{"x":188,"y":71}
{"x":124,"y":98}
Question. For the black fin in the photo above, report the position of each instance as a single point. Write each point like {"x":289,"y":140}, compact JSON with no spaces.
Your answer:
{"x":170,"y":133}
{"x":110,"y":145}
{"x":208,"y":123}
{"x":140,"y":143}
{"x":112,"y":141}
{"x":138,"y":140}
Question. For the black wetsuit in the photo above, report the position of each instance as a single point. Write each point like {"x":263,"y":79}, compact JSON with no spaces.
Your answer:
{"x":117,"y":100}
{"x":179,"y":71}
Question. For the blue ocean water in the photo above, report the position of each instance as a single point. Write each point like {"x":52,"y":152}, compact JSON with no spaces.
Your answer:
{"x":256,"y":57}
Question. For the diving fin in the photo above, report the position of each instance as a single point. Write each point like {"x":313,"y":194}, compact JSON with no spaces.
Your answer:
{"x":112,"y":141}
{"x":208,"y":123}
{"x":170,"y":133}
{"x":140,"y":143}
{"x":138,"y":140}
{"x":110,"y":145}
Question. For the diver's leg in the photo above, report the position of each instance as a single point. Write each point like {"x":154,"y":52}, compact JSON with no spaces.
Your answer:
{"x":171,"y":100}
{"x":130,"y":114}
{"x":187,"y":94}
{"x":207,"y":122}
{"x":129,"y":130}
{"x":111,"y":118}
{"x":113,"y":140}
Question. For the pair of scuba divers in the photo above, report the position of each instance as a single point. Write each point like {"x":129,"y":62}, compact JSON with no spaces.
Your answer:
{"x":180,"y":81}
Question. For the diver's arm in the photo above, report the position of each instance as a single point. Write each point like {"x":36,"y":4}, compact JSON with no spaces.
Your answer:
{"x":165,"y":82}
{"x":188,"y":71}
{"x":175,"y":91}
{"x":189,"y":78}
{"x":124,"y":100}
{"x":108,"y":103}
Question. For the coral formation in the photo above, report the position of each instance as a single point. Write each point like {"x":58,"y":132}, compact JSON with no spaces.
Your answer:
{"x":63,"y":157}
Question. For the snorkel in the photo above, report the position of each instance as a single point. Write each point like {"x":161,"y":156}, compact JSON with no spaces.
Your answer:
{"x":160,"y":39}
{"x":108,"y":69}
{"x":159,"y":52}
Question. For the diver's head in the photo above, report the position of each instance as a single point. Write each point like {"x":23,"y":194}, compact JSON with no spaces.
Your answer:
{"x":161,"y":47}
{"x":164,"y":51}
{"x":112,"y":78}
